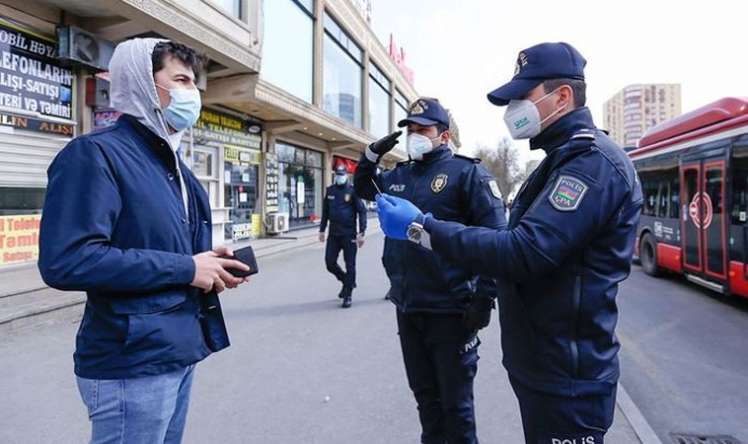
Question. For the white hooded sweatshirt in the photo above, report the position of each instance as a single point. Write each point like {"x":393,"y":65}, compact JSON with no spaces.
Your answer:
{"x":133,"y":91}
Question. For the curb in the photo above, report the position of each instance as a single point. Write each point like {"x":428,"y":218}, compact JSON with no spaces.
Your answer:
{"x":635,"y":418}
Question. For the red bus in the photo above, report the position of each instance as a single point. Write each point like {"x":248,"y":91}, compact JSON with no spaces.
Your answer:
{"x":694,"y":175}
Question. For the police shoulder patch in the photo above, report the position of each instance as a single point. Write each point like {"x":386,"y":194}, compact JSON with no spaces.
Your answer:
{"x":439,"y":183}
{"x":567,"y":193}
{"x":494,"y":189}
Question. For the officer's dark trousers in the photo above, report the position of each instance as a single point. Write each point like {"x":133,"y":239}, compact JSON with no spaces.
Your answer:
{"x":348,"y":245}
{"x":441,"y":360}
{"x":551,"y":419}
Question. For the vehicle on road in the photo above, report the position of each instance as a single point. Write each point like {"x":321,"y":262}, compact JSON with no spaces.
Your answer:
{"x":694,"y":175}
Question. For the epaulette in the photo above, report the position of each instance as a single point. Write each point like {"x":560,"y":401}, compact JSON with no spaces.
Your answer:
{"x":585,"y":134}
{"x":471,"y":159}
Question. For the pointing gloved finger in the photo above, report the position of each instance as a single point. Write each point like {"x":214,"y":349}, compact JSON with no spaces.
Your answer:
{"x":393,"y":137}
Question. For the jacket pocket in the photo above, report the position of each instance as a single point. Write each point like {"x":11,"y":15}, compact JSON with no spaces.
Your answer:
{"x":174,"y":334}
{"x":151,"y":303}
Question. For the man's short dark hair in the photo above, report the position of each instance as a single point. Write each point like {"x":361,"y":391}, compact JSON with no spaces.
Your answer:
{"x":441,"y":128}
{"x":181,"y":52}
{"x":578,"y":87}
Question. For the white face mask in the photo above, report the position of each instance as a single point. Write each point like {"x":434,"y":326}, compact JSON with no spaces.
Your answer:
{"x":341,"y":180}
{"x":418,"y":145}
{"x":523,"y":118}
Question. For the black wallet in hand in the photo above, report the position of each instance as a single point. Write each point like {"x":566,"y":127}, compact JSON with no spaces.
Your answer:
{"x":246,"y":256}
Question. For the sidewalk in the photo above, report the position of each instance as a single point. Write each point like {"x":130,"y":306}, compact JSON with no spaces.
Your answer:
{"x":26,"y":301}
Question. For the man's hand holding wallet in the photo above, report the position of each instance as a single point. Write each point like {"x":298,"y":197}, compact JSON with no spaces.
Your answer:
{"x":223,"y":268}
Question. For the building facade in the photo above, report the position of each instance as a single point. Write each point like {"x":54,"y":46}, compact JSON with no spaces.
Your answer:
{"x":292,"y":88}
{"x":636,"y":108}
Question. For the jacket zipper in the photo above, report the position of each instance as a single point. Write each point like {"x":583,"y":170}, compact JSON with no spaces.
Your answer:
{"x":573,"y":346}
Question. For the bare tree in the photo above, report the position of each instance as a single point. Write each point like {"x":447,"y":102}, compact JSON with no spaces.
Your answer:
{"x":529,"y":168}
{"x":503,"y":162}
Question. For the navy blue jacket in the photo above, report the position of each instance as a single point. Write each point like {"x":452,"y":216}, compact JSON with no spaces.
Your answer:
{"x":452,"y":188}
{"x":114,"y":226}
{"x":341,"y":208}
{"x":569,"y":243}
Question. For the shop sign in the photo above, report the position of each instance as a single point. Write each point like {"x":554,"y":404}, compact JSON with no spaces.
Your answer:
{"x":19,"y":238}
{"x":31,"y":79}
{"x":225,"y":129}
{"x":251,"y":230}
{"x":256,"y":225}
{"x":42,"y":126}
{"x":271,"y":182}
{"x":398,"y":56}
{"x":237,"y":154}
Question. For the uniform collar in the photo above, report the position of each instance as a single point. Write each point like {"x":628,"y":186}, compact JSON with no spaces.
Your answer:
{"x":440,"y":152}
{"x":561,"y":131}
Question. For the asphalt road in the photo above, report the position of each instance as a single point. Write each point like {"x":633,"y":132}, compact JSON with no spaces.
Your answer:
{"x":685,"y":356}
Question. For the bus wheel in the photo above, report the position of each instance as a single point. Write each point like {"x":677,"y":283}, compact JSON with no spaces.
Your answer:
{"x":648,"y":255}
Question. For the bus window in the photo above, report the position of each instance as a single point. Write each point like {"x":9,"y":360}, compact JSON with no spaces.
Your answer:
{"x":649,"y":188}
{"x":739,"y":210}
{"x":674,"y":196}
{"x":714,"y":190}
{"x":663,"y":199}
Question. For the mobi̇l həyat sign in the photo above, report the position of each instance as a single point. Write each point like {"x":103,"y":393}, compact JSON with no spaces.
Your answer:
{"x":33,"y":84}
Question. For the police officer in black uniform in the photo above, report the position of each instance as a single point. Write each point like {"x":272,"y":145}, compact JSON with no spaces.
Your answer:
{"x":341,"y":207}
{"x":569,"y":244}
{"x":440,"y":306}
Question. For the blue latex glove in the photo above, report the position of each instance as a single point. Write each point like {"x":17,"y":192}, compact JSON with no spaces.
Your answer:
{"x":395,"y":215}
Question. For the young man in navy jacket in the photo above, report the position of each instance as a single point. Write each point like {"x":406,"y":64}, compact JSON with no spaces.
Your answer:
{"x":127,"y":222}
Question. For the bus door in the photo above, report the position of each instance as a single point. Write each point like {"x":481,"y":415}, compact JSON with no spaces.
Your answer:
{"x":703,"y":219}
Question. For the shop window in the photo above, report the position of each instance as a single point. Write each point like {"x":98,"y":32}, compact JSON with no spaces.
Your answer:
{"x":205,"y":168}
{"x":300,"y":184}
{"x":15,"y":201}
{"x":288,"y":46}
{"x":342,"y":72}
{"x":241,"y":191}
{"x":401,"y":107}
{"x":379,"y":103}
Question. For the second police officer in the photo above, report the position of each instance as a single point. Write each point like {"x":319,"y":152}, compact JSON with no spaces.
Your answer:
{"x":440,"y":306}
{"x":569,"y":244}
{"x":342,"y":209}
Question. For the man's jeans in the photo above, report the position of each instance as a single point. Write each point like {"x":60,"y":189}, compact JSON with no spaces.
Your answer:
{"x":147,"y":410}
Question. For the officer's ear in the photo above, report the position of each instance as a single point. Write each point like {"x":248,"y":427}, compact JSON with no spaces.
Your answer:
{"x":565,"y":98}
{"x":445,"y":137}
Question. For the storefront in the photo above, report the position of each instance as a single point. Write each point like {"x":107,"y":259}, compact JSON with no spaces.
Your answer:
{"x":36,"y":121}
{"x":226,"y":157}
{"x":349,"y":164}
{"x":300,"y":184}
